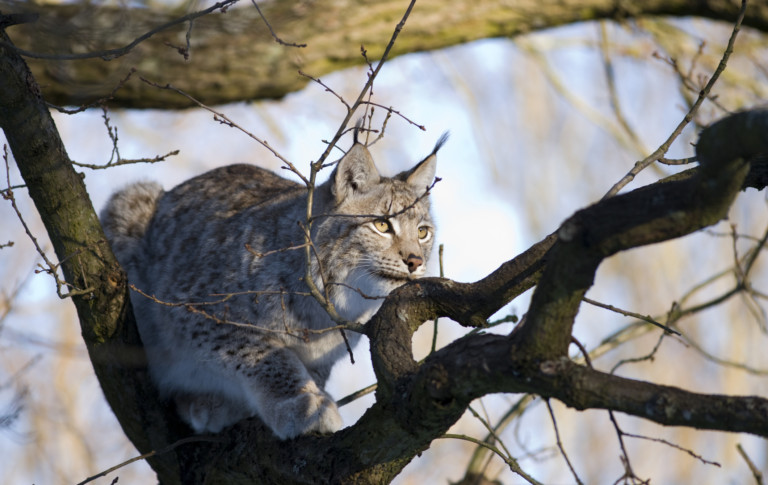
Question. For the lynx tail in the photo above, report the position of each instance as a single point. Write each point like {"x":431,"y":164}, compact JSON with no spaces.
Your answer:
{"x":126,"y":217}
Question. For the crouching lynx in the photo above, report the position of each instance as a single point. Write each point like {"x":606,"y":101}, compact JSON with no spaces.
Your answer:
{"x":223,"y":246}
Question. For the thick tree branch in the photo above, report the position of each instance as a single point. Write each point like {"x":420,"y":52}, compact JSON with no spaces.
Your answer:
{"x":234,"y":57}
{"x":468,"y":367}
{"x":101,"y":295}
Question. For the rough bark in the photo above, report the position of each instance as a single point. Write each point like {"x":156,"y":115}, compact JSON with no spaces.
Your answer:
{"x":415,"y":403}
{"x":97,"y":283}
{"x":234,"y":57}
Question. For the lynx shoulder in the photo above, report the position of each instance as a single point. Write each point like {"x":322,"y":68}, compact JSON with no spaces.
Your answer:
{"x":228,"y":244}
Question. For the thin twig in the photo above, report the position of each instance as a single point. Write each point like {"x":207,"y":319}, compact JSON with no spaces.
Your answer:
{"x":315,"y":167}
{"x":196,"y":307}
{"x":703,"y":94}
{"x":560,"y":444}
{"x":650,"y":356}
{"x":222,"y":118}
{"x":644,"y":318}
{"x":98,"y":102}
{"x":755,"y":471}
{"x":50,"y":267}
{"x":511,"y":462}
{"x":271,"y":31}
{"x":610,"y":80}
{"x":356,"y":395}
{"x":672,"y":445}
{"x":440,"y":249}
{"x":111,"y":54}
{"x":115,"y":159}
{"x":628,"y":472}
{"x":390,"y":110}
{"x":183,"y":441}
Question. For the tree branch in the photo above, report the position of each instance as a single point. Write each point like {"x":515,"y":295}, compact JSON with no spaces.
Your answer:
{"x":236,"y":59}
{"x":106,"y":318}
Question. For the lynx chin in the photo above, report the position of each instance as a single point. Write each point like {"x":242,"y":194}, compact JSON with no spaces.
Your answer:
{"x":224,"y":244}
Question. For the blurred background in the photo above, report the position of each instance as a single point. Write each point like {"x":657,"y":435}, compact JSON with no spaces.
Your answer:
{"x":541,"y":126}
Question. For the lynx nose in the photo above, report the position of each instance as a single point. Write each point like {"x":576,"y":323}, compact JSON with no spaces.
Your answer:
{"x":413,"y":262}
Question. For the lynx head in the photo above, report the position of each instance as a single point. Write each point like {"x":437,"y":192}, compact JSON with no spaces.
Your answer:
{"x":384,"y":226}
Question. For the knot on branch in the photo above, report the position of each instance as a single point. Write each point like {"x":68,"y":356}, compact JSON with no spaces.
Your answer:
{"x":743,"y":135}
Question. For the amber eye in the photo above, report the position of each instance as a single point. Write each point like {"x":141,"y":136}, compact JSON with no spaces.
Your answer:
{"x":423,"y":232}
{"x":382,"y":226}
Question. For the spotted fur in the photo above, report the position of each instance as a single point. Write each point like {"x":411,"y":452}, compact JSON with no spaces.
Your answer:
{"x":242,"y":337}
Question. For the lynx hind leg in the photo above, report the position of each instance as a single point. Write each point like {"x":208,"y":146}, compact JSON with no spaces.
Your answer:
{"x":208,"y":413}
{"x":288,"y":400}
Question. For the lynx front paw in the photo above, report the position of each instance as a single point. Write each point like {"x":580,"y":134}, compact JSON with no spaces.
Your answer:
{"x":305,"y":413}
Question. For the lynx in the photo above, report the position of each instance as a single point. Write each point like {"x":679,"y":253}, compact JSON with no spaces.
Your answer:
{"x":228,"y":326}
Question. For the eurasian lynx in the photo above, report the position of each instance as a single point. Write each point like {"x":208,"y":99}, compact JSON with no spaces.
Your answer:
{"x":223,"y":246}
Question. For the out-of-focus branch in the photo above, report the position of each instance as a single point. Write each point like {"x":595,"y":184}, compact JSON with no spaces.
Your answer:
{"x":235,"y":57}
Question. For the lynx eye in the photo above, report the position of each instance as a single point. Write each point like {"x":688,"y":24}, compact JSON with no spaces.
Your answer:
{"x":382,"y":226}
{"x":423,"y":232}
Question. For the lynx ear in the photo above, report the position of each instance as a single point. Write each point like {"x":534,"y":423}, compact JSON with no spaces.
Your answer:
{"x":422,"y":175}
{"x":355,"y":172}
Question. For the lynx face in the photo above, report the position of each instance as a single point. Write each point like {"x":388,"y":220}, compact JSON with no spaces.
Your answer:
{"x":386,"y":232}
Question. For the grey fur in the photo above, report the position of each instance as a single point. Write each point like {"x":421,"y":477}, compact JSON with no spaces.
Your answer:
{"x":220,"y":242}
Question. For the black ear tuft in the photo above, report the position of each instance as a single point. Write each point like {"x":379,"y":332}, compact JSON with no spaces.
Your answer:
{"x":440,"y":142}
{"x":356,"y":130}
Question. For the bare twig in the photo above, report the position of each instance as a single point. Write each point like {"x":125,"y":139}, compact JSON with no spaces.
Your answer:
{"x":111,"y":54}
{"x":115,"y":159}
{"x":98,"y":102}
{"x":356,"y":395}
{"x":390,"y":110}
{"x":672,"y":445}
{"x":703,"y":94}
{"x":124,"y":161}
{"x":326,"y":87}
{"x":610,"y":80}
{"x":171,"y":447}
{"x":222,"y":118}
{"x":197,"y":308}
{"x":50,"y":267}
{"x":511,"y":462}
{"x":271,"y":31}
{"x":274,"y":251}
{"x":628,"y":472}
{"x":378,"y":216}
{"x":687,"y":80}
{"x":560,"y":443}
{"x":755,"y":471}
{"x":644,"y":318}
{"x":649,"y":356}
{"x":440,"y":249}
{"x":315,"y":167}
